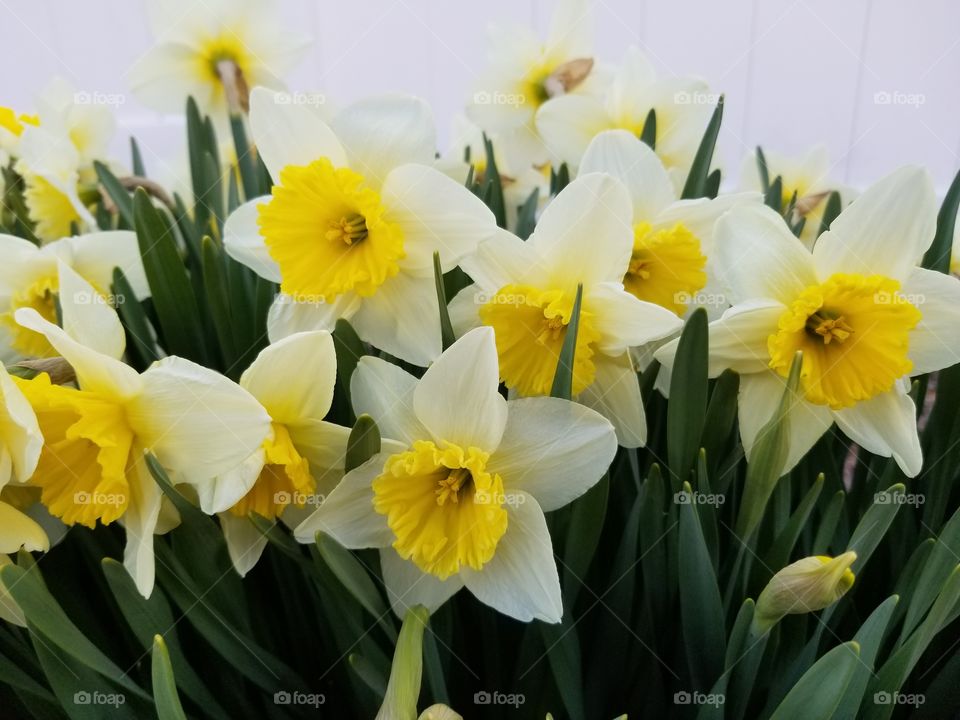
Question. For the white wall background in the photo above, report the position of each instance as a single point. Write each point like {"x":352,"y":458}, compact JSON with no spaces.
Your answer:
{"x":795,"y":72}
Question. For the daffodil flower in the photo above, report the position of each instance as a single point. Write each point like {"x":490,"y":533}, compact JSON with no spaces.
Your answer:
{"x":568,"y":123}
{"x":808,"y":176}
{"x":353,"y":221}
{"x":199,"y":45}
{"x":524,"y":72}
{"x":299,"y":461}
{"x":457,"y":494}
{"x":525,"y":291}
{"x":198,"y":423}
{"x":29,"y":277}
{"x":863,"y":314}
{"x":20,"y":443}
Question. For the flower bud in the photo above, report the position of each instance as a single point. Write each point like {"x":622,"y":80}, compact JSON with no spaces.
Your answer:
{"x":440,"y":712}
{"x":403,"y":688}
{"x":807,"y":585}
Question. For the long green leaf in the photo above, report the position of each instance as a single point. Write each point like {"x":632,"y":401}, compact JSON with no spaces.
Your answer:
{"x":688,"y":396}
{"x":696,"y":184}
{"x":164,"y":686}
{"x":821,"y":689}
{"x":563,"y":378}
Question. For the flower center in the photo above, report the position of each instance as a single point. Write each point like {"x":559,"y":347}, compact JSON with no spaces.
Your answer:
{"x":82,"y":472}
{"x":49,"y":208}
{"x":285,"y":479}
{"x":445,"y":510}
{"x":854,"y":332}
{"x":222,"y":48}
{"x":530,"y":326}
{"x":325,"y":228}
{"x":666,"y":266}
{"x":41,"y":295}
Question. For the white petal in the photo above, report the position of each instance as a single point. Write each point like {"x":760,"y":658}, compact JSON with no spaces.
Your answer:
{"x":502,"y":260}
{"x":625,"y":321}
{"x":245,"y":543}
{"x":381,"y":133}
{"x":408,"y":586}
{"x":166,"y":75}
{"x":885,"y":231}
{"x":198,"y":423}
{"x":19,"y":531}
{"x":553,"y":449}
{"x":403,"y":318}
{"x":224,"y":491}
{"x":886,"y":425}
{"x":294,"y":377}
{"x":586,"y":234}
{"x":140,"y":521}
{"x":758,"y":257}
{"x":615,"y":394}
{"x":97,"y":372}
{"x":759,"y":398}
{"x":347,"y":514}
{"x":700,"y":216}
{"x":568,"y":123}
{"x":521,"y":579}
{"x":19,"y":431}
{"x":290,"y":134}
{"x":384,"y":391}
{"x":631,"y":161}
{"x":436,"y":214}
{"x":95,"y":255}
{"x":571,"y":32}
{"x":458,"y":400}
{"x":19,"y":258}
{"x":934,"y":342}
{"x":464,"y":310}
{"x":324,"y":445}
{"x":244,"y":243}
{"x":87,"y":316}
{"x":288,"y":315}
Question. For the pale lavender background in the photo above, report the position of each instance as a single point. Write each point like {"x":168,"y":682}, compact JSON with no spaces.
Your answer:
{"x":795,"y":73}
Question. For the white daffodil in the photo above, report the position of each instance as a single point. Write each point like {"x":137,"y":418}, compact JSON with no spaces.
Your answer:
{"x":200,"y":45}
{"x":457,"y":494}
{"x":807,"y":175}
{"x":525,"y":291}
{"x":29,"y":277}
{"x":524,"y":72}
{"x":12,"y":125}
{"x":198,"y":423}
{"x":682,"y":106}
{"x":20,"y":444}
{"x":673,"y":250}
{"x":302,"y":458}
{"x":864,"y":315}
{"x":355,"y":217}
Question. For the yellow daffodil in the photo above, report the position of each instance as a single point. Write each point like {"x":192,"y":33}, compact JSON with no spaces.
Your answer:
{"x":808,"y":175}
{"x":197,"y":44}
{"x":354,"y":219}
{"x":302,"y":457}
{"x":29,"y":277}
{"x":568,"y":123}
{"x":457,"y":494}
{"x":525,"y":291}
{"x":863,"y":314}
{"x":198,"y":423}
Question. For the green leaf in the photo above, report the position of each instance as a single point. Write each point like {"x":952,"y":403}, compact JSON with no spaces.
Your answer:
{"x":246,"y":157}
{"x":773,"y":198}
{"x":649,"y":132}
{"x":937,"y":256}
{"x":769,"y":456}
{"x":827,"y":527}
{"x":563,"y":653}
{"x":696,"y":184}
{"x":763,"y":170}
{"x":712,"y":188}
{"x":688,"y":396}
{"x":830,"y":212}
{"x":587,"y":514}
{"x":117,"y":192}
{"x":349,"y":349}
{"x":164,"y":687}
{"x":873,"y":526}
{"x":214,"y":283}
{"x":403,"y":688}
{"x":782,"y":547}
{"x":563,"y":378}
{"x":446,"y":329}
{"x":701,"y":608}
{"x":819,"y":692}
{"x":559,"y":179}
{"x":870,"y":638}
{"x":136,"y":159}
{"x":48,"y":619}
{"x":363,"y":443}
{"x":527,"y":214}
{"x":135,"y":322}
{"x":721,"y":414}
{"x":369,"y":673}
